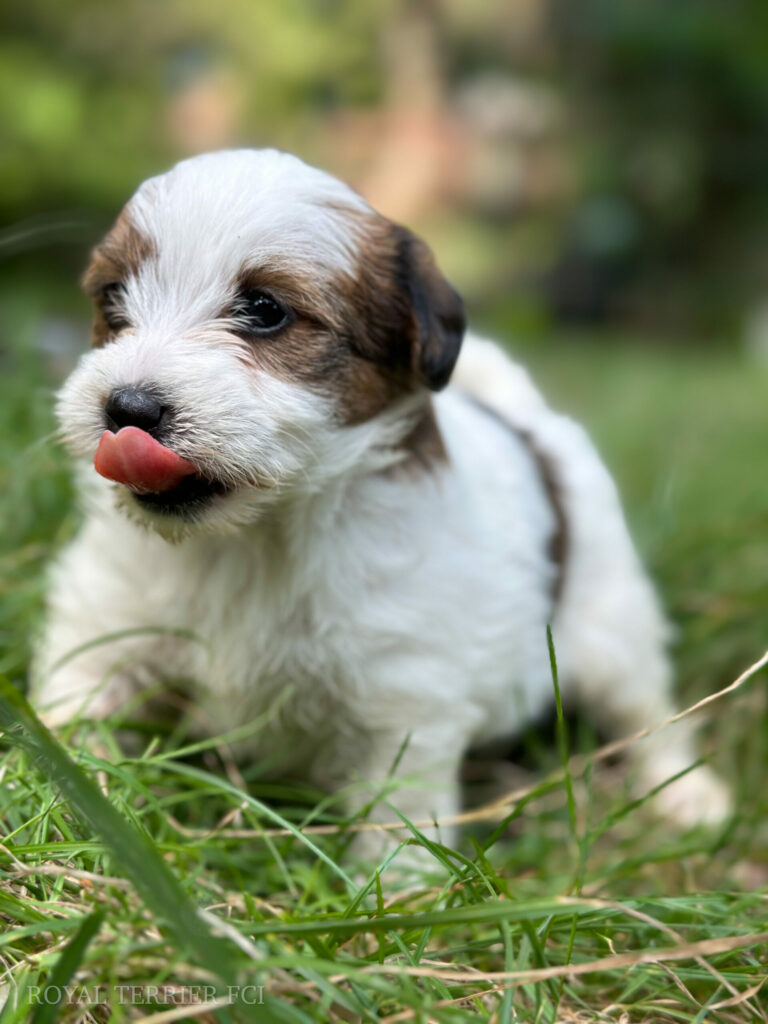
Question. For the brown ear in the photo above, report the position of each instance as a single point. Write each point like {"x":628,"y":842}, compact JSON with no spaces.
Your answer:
{"x":436,"y":311}
{"x":410,"y":321}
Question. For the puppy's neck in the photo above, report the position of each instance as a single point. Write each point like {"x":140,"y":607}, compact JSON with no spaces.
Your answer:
{"x":422,"y":447}
{"x":395,"y":449}
{"x":404,"y":438}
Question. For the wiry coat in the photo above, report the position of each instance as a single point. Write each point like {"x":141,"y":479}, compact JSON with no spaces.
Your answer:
{"x":377,"y":560}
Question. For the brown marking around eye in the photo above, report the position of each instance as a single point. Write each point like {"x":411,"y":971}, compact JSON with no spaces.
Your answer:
{"x":350,"y":335}
{"x":305,"y":294}
{"x":358,"y":339}
{"x":317,"y":348}
{"x":116,"y":258}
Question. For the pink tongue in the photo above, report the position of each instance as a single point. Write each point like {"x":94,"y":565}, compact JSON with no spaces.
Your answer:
{"x":133,"y":458}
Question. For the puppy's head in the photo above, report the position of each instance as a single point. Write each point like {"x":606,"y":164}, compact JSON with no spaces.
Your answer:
{"x":258,"y":328}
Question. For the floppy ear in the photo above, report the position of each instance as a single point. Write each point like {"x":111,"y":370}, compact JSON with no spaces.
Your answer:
{"x":409,"y":322}
{"x":437,"y":321}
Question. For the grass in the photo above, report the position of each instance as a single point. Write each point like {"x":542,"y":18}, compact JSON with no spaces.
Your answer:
{"x":579,"y":906}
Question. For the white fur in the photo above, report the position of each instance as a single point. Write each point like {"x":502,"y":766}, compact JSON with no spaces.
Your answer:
{"x":362,"y":604}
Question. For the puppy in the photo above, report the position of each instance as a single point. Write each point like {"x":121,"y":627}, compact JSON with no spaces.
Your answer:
{"x":287,"y":508}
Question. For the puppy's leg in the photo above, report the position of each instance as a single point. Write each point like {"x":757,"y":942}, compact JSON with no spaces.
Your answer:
{"x":98,"y":647}
{"x":414,"y":773}
{"x":626,"y":694}
{"x":611,"y":639}
{"x":79,"y":674}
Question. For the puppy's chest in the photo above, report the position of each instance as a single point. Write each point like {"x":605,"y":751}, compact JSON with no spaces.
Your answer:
{"x":271,"y":642}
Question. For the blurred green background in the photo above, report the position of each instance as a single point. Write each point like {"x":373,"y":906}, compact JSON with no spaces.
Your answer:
{"x":592,"y":162}
{"x":593,"y":177}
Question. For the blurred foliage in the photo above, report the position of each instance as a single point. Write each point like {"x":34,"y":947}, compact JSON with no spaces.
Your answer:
{"x":86,"y":87}
{"x":591,"y":162}
{"x":672,"y":100}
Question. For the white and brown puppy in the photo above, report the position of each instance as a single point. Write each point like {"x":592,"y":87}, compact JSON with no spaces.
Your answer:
{"x":277,"y":476}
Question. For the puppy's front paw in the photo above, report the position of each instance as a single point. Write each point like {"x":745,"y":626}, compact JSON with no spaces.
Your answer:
{"x":698,"y":798}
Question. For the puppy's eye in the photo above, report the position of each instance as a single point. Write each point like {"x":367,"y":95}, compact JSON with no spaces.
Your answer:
{"x":258,"y":313}
{"x":111,"y":302}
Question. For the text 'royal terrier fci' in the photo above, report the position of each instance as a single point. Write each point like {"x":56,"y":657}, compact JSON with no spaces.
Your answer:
{"x":273,"y":462}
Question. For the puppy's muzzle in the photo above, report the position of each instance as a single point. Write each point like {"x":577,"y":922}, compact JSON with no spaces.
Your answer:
{"x":133,"y":452}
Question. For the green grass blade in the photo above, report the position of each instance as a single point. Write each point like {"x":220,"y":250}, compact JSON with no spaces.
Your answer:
{"x":195,"y":773}
{"x":131,"y":848}
{"x":123,"y":634}
{"x":67,"y":963}
{"x":562,"y":735}
{"x":487,"y":912}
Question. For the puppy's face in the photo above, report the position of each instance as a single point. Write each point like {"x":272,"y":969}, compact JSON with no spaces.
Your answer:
{"x":257,"y":327}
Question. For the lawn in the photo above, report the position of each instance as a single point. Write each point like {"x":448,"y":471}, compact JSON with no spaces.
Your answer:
{"x":597,"y":912}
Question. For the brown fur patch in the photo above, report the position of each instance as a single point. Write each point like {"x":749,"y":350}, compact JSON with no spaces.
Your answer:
{"x":314,"y":350}
{"x":390,"y":329}
{"x":424,"y":445}
{"x":558,"y":542}
{"x":408,"y":317}
{"x":117,"y":257}
{"x":547,"y":470}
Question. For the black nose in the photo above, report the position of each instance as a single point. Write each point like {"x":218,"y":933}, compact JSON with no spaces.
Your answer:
{"x":134,"y":407}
